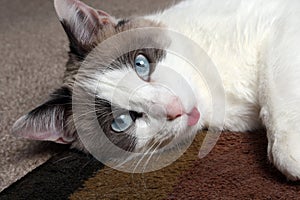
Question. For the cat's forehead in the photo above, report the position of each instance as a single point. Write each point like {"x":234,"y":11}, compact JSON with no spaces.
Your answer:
{"x":119,"y":41}
{"x":132,"y":38}
{"x":124,"y":25}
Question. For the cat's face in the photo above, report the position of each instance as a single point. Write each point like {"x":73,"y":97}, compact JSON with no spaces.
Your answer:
{"x":125,"y":80}
{"x":141,"y":102}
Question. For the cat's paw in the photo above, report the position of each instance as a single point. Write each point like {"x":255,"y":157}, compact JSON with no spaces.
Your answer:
{"x":284,"y":153}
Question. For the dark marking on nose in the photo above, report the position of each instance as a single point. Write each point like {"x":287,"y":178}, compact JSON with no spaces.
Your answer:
{"x":173,"y":117}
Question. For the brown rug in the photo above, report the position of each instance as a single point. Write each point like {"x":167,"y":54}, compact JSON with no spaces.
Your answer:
{"x":237,"y":168}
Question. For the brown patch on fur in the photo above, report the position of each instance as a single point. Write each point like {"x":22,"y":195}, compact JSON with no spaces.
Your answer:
{"x":106,"y":32}
{"x":105,"y":114}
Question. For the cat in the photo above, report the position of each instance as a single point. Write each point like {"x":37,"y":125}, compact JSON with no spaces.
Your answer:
{"x":253,"y":44}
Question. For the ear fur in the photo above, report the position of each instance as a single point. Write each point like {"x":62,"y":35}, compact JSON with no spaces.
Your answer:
{"x":48,"y":121}
{"x":82,"y":24}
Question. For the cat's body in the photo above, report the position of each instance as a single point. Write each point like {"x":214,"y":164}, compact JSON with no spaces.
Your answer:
{"x":233,"y":37}
{"x":253,"y":44}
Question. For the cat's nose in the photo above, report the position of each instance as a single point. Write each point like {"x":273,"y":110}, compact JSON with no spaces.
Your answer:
{"x":174,"y":108}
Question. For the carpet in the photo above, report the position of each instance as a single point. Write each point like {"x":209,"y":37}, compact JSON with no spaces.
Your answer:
{"x":237,"y":168}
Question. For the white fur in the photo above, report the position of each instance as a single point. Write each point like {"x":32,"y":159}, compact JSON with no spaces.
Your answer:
{"x":255,"y":46}
{"x":123,"y":88}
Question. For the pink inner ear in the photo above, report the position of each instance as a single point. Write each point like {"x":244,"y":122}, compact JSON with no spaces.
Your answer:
{"x":83,"y":21}
{"x":46,"y":136}
{"x":67,"y":9}
{"x":83,"y":6}
{"x":102,"y":13}
{"x":62,"y":141}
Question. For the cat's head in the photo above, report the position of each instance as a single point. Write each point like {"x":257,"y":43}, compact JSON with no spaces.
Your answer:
{"x":132,"y":92}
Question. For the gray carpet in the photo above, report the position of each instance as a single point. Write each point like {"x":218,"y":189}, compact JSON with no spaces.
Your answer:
{"x":33,"y":50}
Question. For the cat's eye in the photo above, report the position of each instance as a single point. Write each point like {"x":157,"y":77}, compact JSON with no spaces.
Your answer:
{"x":142,"y":67}
{"x":122,"y":122}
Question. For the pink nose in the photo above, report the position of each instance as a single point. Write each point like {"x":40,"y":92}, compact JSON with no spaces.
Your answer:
{"x":174,"y":109}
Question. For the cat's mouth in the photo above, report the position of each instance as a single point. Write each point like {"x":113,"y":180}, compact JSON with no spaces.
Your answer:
{"x":193,"y":117}
{"x":176,"y":111}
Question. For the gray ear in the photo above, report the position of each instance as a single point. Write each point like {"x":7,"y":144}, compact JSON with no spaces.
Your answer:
{"x":81,"y":23}
{"x":49,"y":121}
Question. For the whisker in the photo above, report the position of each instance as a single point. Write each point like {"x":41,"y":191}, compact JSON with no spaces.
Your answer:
{"x":151,"y":155}
{"x":86,"y":164}
{"x":61,"y":159}
{"x":145,"y":154}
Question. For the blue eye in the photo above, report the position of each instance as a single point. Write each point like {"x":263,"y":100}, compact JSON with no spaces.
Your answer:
{"x":122,"y":122}
{"x":142,"y":67}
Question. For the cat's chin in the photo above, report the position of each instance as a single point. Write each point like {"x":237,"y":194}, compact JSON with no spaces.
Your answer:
{"x":181,"y":142}
{"x":184,"y":135}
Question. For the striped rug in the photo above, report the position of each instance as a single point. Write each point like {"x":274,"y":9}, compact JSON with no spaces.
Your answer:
{"x":237,"y":168}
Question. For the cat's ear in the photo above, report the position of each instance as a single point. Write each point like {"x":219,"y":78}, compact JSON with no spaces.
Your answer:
{"x":81,"y":23}
{"x":49,"y":121}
